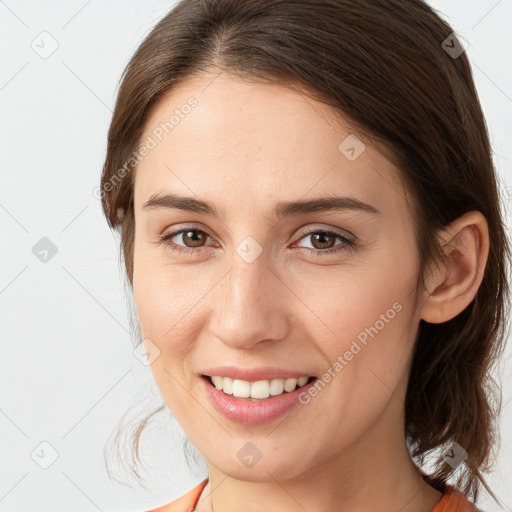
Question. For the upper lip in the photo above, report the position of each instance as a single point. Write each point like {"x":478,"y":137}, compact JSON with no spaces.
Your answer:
{"x":254,"y":374}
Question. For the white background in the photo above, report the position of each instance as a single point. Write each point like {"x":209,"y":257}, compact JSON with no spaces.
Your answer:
{"x":67,"y":371}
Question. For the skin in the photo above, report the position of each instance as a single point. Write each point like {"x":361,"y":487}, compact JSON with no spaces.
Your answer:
{"x":245,"y":147}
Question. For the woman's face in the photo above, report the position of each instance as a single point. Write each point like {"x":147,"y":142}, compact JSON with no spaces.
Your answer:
{"x":255,"y":287}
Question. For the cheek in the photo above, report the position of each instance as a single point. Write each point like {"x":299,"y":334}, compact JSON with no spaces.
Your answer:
{"x":369,"y":302}
{"x":367,"y":347}
{"x":162,"y":301}
{"x":167,"y":310}
{"x":163,"y":293}
{"x":369,"y":352}
{"x":170,"y":302}
{"x":366,"y":330}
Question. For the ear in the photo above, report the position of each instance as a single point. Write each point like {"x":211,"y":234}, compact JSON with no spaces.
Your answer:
{"x":454,"y":285}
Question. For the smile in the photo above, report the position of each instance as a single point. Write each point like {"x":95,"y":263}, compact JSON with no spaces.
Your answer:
{"x":258,"y":390}
{"x":250,"y":410}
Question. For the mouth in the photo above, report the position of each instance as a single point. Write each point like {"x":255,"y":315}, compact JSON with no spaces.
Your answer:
{"x":256,"y":402}
{"x":256,"y":391}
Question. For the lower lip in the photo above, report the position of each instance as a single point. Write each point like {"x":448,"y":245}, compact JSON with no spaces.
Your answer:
{"x":253,"y":412}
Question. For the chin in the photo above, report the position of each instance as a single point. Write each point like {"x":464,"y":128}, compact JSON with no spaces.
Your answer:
{"x":263,"y":471}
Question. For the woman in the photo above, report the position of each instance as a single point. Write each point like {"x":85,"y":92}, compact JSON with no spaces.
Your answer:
{"x":310,"y":224}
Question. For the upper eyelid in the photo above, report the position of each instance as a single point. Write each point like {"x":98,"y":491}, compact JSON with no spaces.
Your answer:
{"x":339,"y":231}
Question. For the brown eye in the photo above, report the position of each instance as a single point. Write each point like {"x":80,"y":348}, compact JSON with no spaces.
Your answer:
{"x":322,"y":240}
{"x":193,"y":240}
{"x":194,"y":237}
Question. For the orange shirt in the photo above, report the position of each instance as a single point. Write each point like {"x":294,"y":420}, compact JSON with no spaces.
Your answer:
{"x":451,"y":501}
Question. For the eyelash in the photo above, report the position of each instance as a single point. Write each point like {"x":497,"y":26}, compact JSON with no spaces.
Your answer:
{"x":347,"y":244}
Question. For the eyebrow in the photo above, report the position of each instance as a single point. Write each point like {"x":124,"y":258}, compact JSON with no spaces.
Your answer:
{"x":282,"y":209}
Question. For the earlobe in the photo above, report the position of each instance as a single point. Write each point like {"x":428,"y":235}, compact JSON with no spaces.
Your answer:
{"x":452,"y":288}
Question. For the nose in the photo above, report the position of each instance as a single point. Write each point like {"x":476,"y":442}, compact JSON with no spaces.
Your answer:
{"x":250,"y":305}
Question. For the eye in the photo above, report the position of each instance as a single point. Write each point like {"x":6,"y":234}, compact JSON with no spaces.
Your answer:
{"x":194,"y":239}
{"x":322,"y":242}
{"x":189,"y":236}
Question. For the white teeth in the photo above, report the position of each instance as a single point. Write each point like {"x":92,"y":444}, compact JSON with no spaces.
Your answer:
{"x":227,"y":385}
{"x":258,"y":390}
{"x":301,"y":381}
{"x":290,"y":384}
{"x":217,"y":381}
{"x":276,"y":387}
{"x":241,"y":388}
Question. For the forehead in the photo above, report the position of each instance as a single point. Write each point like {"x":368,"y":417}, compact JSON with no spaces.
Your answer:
{"x":220,"y":136}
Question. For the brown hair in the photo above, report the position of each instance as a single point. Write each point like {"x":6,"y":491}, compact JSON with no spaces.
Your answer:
{"x":387,"y":68}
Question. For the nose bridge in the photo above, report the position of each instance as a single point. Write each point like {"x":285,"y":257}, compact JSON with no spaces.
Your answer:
{"x":248,"y":302}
